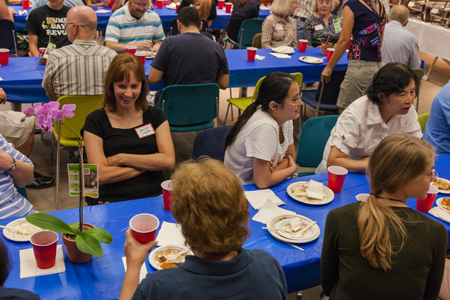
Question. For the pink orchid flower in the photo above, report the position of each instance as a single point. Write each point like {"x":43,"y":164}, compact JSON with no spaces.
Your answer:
{"x":66,"y":112}
{"x":30,"y":111}
{"x":44,"y":123}
{"x":49,"y":110}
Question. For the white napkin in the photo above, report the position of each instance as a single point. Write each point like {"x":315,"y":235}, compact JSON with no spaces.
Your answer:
{"x":143,"y":272}
{"x":280,"y":55}
{"x":270,"y":210}
{"x":1,"y":79}
{"x":102,"y":11}
{"x":22,"y":12}
{"x":170,"y":234}
{"x":440,"y":214}
{"x":259,"y":57}
{"x":315,"y":190}
{"x":258,"y":198}
{"x":28,"y":266}
{"x":171,"y":6}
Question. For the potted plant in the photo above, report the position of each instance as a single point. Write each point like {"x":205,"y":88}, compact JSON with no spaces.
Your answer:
{"x":82,"y":240}
{"x":325,"y":44}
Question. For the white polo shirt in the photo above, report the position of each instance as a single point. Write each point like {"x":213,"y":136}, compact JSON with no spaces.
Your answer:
{"x":123,"y":28}
{"x":360,"y":129}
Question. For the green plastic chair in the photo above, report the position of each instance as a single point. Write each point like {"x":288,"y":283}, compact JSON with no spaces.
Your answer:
{"x":313,"y":138}
{"x":190,"y":107}
{"x":257,"y":40}
{"x":249,"y":28}
{"x":419,"y":74}
{"x":23,"y":192}
{"x":423,"y":119}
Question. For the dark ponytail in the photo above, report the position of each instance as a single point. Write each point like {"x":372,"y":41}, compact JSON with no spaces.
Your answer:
{"x":275,"y":87}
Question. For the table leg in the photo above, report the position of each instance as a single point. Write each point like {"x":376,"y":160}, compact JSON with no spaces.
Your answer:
{"x":242,"y":92}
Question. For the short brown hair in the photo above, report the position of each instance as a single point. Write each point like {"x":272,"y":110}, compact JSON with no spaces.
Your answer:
{"x":211,"y":207}
{"x":119,"y":69}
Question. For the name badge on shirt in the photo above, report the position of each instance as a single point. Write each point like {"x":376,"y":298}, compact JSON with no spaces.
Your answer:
{"x":149,"y":29}
{"x":318,"y":27}
{"x":145,"y":130}
{"x":279,"y":27}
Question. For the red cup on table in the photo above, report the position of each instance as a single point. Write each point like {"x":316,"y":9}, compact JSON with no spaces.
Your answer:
{"x":4,"y":56}
{"x":178,"y":5}
{"x":167,"y":187}
{"x":426,"y":204}
{"x":142,"y":56}
{"x":111,"y":3}
{"x":336,"y":177}
{"x":159,"y":4}
{"x":44,"y":248}
{"x":221,"y":4}
{"x":25,"y":4}
{"x":302,"y":45}
{"x":330,"y":52}
{"x":228,"y":7}
{"x":143,"y":227}
{"x":251,"y":53}
{"x":131,"y":49}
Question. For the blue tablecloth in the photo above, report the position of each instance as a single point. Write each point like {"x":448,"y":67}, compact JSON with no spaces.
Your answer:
{"x":102,"y":278}
{"x":22,"y":77}
{"x":165,"y":14}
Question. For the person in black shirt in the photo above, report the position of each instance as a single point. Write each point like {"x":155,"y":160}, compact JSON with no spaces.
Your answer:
{"x":242,"y":10}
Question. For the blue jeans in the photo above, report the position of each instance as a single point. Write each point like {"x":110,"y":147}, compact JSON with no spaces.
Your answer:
{"x":299,"y":29}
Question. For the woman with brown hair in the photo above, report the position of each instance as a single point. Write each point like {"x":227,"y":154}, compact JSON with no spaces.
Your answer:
{"x":210,"y":205}
{"x":129,"y":140}
{"x":382,"y":249}
{"x":206,"y":8}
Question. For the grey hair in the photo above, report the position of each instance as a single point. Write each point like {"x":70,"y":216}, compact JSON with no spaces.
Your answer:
{"x":399,"y":13}
{"x":315,"y":7}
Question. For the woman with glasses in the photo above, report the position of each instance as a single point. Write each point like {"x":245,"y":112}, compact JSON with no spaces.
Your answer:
{"x":320,"y":27}
{"x":279,"y":29}
{"x":260,"y":147}
{"x":387,"y":109}
{"x":381,"y":248}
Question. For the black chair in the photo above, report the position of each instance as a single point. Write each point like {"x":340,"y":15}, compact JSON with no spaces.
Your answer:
{"x":211,"y":142}
{"x":174,"y":26}
{"x":8,"y":38}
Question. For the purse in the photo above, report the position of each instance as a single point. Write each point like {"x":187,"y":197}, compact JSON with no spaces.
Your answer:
{"x":370,"y":36}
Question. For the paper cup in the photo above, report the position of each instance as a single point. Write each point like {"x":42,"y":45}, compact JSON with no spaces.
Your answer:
{"x":336,"y":177}
{"x":4,"y":56}
{"x":131,"y":49}
{"x":143,"y":227}
{"x":159,"y":4}
{"x":228,"y":7}
{"x":251,"y":53}
{"x":111,"y":3}
{"x":302,"y":45}
{"x":141,"y":56}
{"x":330,"y":52}
{"x":221,"y":4}
{"x":426,"y":204}
{"x":167,"y":188}
{"x":25,"y":4}
{"x":44,"y":248}
{"x":362,"y":197}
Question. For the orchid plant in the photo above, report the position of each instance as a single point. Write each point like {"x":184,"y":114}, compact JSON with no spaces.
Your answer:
{"x":87,"y":241}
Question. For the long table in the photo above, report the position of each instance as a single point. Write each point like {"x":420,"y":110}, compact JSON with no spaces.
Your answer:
{"x":101,"y":278}
{"x":22,"y":77}
{"x":165,"y":14}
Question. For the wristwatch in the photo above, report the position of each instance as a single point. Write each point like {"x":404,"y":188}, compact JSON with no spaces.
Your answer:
{"x":13,"y":165}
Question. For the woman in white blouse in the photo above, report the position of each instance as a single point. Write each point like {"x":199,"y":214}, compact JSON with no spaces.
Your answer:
{"x":387,"y":109}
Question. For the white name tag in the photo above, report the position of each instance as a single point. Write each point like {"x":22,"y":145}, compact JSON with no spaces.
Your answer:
{"x":145,"y":130}
{"x":279,"y":27}
{"x":435,"y":11}
{"x":149,"y":29}
{"x":318,"y":27}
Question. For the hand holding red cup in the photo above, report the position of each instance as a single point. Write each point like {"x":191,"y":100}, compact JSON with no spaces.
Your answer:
{"x":143,"y":227}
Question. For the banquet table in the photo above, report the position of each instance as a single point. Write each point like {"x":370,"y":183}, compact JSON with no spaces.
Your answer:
{"x":22,"y":77}
{"x":165,"y":14}
{"x":101,"y":278}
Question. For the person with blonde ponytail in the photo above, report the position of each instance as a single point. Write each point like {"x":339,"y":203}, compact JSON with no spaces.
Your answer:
{"x":382,"y":249}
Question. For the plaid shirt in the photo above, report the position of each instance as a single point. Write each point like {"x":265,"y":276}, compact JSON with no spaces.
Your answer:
{"x":304,"y":9}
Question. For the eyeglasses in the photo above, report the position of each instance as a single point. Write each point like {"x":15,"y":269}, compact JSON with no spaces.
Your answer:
{"x":145,"y":6}
{"x":67,"y":24}
{"x":433,"y":176}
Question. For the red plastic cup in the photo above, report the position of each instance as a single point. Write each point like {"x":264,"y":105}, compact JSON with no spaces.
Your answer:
{"x":336,"y":177}
{"x":302,"y":45}
{"x":25,"y":4}
{"x":426,"y":204}
{"x":159,"y":4}
{"x":143,"y":227}
{"x":330,"y":52}
{"x":221,"y":4}
{"x":131,"y":49}
{"x":251,"y":53}
{"x":141,"y":56}
{"x":111,"y":3}
{"x":167,"y":188}
{"x":44,"y":248}
{"x":178,"y":5}
{"x":4,"y":56}
{"x":228,"y":7}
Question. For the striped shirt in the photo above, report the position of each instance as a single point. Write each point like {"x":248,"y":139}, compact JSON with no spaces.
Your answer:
{"x":78,"y":69}
{"x":123,"y":28}
{"x":400,"y":45}
{"x":12,"y":204}
{"x":304,"y":9}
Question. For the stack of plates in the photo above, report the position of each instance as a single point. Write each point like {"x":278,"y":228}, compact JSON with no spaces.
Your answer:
{"x":285,"y":234}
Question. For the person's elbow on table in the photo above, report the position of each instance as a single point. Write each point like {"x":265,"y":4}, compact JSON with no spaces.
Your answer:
{"x":155,"y":76}
{"x":223,"y":80}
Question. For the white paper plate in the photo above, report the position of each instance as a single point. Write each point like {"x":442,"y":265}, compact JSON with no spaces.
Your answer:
{"x":327,"y":198}
{"x":18,"y":237}
{"x":171,"y":6}
{"x":311,"y":60}
{"x":439,"y":204}
{"x":280,"y":221}
{"x":165,"y":250}
{"x":148,"y":56}
{"x":444,"y":191}
{"x":284,"y":50}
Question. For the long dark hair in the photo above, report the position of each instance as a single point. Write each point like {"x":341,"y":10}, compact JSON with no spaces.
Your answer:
{"x":275,"y":87}
{"x":391,"y":78}
{"x":5,"y":265}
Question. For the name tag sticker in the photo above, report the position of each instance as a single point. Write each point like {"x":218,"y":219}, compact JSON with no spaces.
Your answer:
{"x":318,"y":27}
{"x":279,"y":27}
{"x":145,"y":130}
{"x":149,"y":29}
